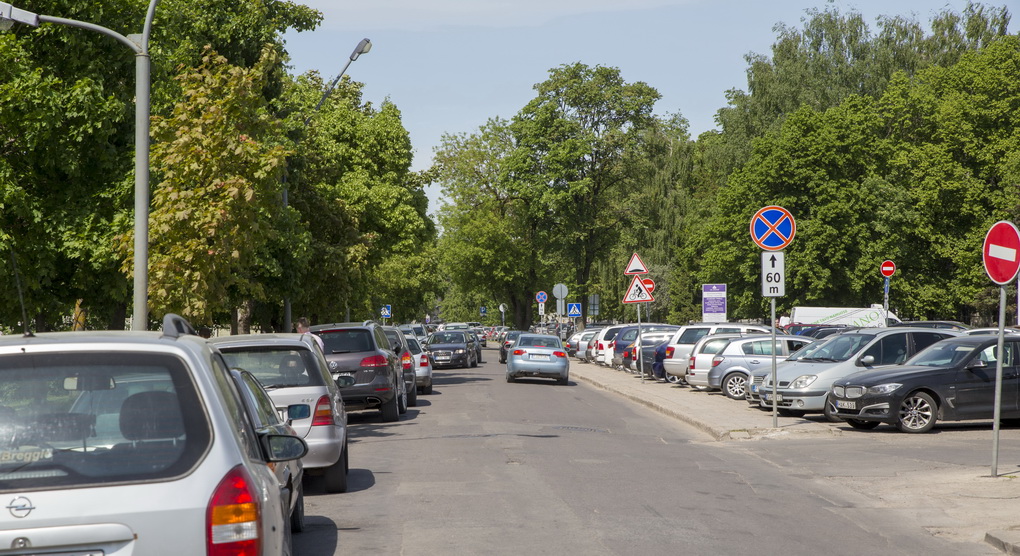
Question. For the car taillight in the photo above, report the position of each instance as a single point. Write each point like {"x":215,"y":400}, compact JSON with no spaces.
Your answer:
{"x":232,"y":517}
{"x":626,"y":354}
{"x":601,"y":346}
{"x":612,"y":345}
{"x":405,"y":360}
{"x":669,"y":352}
{"x":323,"y":412}
{"x":690,"y":362}
{"x":559,"y":354}
{"x":375,"y":361}
{"x":519,"y":352}
{"x":424,"y":361}
{"x":717,"y":359}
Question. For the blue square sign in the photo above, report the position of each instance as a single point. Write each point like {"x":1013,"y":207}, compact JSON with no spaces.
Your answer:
{"x":573,"y":309}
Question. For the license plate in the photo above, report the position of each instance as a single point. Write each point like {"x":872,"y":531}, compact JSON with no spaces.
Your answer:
{"x":540,"y":357}
{"x":843,"y":404}
{"x":754,"y":388}
{"x":768,"y":397}
{"x":442,"y":358}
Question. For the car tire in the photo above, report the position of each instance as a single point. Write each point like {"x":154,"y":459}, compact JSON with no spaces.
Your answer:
{"x":917,"y":413}
{"x":785,"y":412}
{"x":830,"y":414}
{"x":673,"y":379}
{"x":563,"y":381}
{"x":474,"y":362}
{"x":335,"y":476}
{"x":390,"y":410}
{"x":734,"y":385}
{"x":297,"y":517}
{"x":427,"y":389}
{"x":412,"y":397}
{"x":402,"y":402}
{"x":862,"y":425}
{"x":502,"y":360}
{"x":510,"y":379}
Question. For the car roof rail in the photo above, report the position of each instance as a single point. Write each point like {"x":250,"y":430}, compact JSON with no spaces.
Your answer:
{"x":175,"y":326}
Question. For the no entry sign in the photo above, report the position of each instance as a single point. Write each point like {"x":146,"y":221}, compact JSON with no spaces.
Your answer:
{"x":1002,"y":244}
{"x":888,"y":268}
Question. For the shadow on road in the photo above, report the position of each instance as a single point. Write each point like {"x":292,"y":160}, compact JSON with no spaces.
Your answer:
{"x":319,"y":537}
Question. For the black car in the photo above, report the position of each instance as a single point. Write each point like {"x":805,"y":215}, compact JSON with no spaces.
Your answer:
{"x":362,"y":350}
{"x":508,"y":340}
{"x":951,"y":380}
{"x":453,"y":348}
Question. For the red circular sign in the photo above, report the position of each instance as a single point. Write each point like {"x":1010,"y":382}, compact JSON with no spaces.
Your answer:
{"x":649,"y":284}
{"x":888,"y":268}
{"x":1000,"y":252}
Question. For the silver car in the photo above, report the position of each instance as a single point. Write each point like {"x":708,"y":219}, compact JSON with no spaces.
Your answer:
{"x":422,"y":366}
{"x":134,"y":443}
{"x":729,"y":366}
{"x":538,"y":355}
{"x":294,"y":372}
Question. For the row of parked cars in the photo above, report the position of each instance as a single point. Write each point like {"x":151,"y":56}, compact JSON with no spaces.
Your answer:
{"x":221,"y":432}
{"x":907,"y":376}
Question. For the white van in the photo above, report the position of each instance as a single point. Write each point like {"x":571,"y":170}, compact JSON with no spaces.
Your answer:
{"x":679,"y":349}
{"x":867,"y":317}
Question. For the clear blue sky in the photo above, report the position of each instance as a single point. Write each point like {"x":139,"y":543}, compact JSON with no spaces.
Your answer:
{"x":450,"y":65}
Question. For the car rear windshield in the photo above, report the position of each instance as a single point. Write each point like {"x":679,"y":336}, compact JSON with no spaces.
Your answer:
{"x":539,"y":341}
{"x":692,"y":335}
{"x":82,"y":419}
{"x":276,"y":367}
{"x":347,"y":341}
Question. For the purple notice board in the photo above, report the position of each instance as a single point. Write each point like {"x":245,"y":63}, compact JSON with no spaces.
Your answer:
{"x":713,"y":302}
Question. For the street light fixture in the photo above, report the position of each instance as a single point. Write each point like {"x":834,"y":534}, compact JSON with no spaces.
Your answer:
{"x":364,"y":45}
{"x":139,"y":44}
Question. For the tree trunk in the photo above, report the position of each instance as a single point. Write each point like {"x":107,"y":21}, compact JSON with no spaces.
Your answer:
{"x":244,"y":316}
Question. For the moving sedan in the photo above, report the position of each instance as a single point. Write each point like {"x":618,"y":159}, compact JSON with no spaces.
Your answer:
{"x":953,"y":380}
{"x":538,"y":355}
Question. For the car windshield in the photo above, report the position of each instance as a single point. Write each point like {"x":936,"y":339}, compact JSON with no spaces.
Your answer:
{"x":837,"y":348}
{"x":74,"y":419}
{"x":448,"y":338}
{"x":346,"y":341}
{"x":275,"y":367}
{"x":943,"y":354}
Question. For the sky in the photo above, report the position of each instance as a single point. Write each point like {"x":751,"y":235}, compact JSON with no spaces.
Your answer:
{"x":451,"y":65}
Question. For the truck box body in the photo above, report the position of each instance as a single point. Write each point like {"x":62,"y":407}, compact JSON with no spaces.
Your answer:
{"x":873,"y":316}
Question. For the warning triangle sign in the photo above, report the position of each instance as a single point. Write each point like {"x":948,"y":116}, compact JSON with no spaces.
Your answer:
{"x":635,"y":266}
{"x":637,"y":292}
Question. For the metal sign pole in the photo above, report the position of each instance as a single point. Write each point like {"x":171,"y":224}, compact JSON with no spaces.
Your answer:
{"x":775,"y":408}
{"x":640,"y":368}
{"x":998,"y":381}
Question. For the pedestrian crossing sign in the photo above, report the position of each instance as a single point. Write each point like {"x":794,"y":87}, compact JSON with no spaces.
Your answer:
{"x":573,"y":309}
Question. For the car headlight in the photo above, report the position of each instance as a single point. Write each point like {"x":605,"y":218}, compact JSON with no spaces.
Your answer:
{"x":461,"y":351}
{"x":884,"y":388}
{"x":803,"y":381}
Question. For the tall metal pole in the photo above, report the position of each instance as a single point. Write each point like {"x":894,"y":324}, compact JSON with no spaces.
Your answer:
{"x":775,"y":407}
{"x":997,"y":412}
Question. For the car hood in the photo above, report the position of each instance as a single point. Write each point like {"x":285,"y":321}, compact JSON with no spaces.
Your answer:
{"x":789,"y":370}
{"x":894,"y":373}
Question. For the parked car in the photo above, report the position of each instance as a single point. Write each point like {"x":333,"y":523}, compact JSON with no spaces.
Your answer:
{"x":481,"y":335}
{"x":940,"y":324}
{"x":508,"y":340}
{"x":952,"y":380}
{"x":729,"y":366}
{"x":649,"y":341}
{"x":422,"y":366}
{"x":820,"y":332}
{"x":415,"y":330}
{"x":398,"y":343}
{"x":571,"y":343}
{"x":266,"y":419}
{"x":752,"y":392}
{"x":363,"y":351}
{"x":679,"y":349}
{"x":453,"y":348}
{"x":584,"y":343}
{"x":135,"y":442}
{"x":602,"y":344}
{"x":538,"y":355}
{"x":478,"y":346}
{"x":989,"y":330}
{"x":626,"y":337}
{"x":804,"y":385}
{"x":294,"y":372}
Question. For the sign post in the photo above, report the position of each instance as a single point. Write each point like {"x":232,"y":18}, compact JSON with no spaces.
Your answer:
{"x":541,"y":298}
{"x":502,"y":314}
{"x":887,"y":268}
{"x":772,"y":229}
{"x":640,"y":291}
{"x":999,"y":254}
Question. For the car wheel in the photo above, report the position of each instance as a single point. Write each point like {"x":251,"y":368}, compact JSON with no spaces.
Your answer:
{"x":474,"y":363}
{"x":672,"y":379}
{"x":830,"y":413}
{"x":563,"y":381}
{"x":862,"y":425}
{"x":735,"y":386}
{"x":297,"y":517}
{"x":427,"y":389}
{"x":510,"y":378}
{"x":917,"y":413}
{"x":412,"y":396}
{"x":335,"y":477}
{"x":502,"y":360}
{"x":788,"y":412}
{"x":390,"y":411}
{"x":402,"y":402}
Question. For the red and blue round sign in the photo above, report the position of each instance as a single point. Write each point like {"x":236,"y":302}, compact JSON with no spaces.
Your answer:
{"x":773,"y":228}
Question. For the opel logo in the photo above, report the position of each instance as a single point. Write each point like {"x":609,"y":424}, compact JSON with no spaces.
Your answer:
{"x":20,"y":507}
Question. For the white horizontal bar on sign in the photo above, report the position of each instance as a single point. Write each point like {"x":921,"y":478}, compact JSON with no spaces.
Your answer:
{"x":1000,"y":252}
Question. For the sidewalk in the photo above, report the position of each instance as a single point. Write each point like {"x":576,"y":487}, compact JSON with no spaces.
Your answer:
{"x":732,"y":420}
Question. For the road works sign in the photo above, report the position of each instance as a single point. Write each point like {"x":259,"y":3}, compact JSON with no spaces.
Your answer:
{"x":773,"y":228}
{"x":637,"y":292}
{"x":1002,"y":243}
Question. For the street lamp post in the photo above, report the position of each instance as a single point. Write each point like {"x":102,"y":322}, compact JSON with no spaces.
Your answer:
{"x":139,"y":44}
{"x":364,"y":45}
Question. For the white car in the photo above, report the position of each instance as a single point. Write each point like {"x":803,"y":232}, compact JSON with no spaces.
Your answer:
{"x":678,"y":351}
{"x":422,"y":366}
{"x":157,"y":455}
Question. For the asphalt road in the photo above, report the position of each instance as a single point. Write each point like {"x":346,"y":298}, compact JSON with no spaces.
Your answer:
{"x":486,"y":467}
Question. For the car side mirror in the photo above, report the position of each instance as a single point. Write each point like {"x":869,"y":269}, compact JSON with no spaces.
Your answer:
{"x":283,"y":447}
{"x":868,"y":360}
{"x":343,"y":381}
{"x":977,"y":364}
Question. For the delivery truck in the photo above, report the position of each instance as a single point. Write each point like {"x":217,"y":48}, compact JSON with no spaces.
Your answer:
{"x":874,"y":316}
